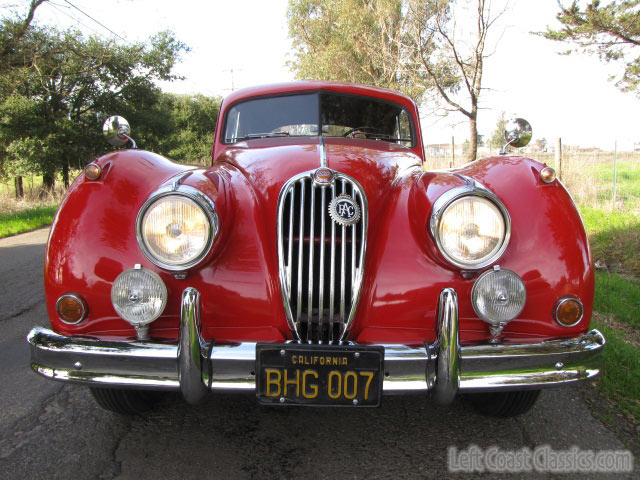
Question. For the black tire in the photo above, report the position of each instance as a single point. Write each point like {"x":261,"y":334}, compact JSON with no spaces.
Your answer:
{"x":126,"y":402}
{"x":504,"y":404}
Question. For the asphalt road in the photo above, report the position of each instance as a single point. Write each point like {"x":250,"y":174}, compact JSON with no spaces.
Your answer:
{"x":50,"y":430}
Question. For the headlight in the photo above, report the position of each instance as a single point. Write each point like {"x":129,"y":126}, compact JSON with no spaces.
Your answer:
{"x":470,"y":227}
{"x":139,"y":296}
{"x":176,"y":229}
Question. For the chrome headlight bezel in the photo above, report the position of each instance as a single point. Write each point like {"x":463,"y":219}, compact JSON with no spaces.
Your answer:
{"x":472,"y":188}
{"x":202,"y":201}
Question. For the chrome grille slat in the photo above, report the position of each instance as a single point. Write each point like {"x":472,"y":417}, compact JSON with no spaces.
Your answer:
{"x":343,"y":258}
{"x":320,"y":273}
{"x":300,"y":253}
{"x":323,"y":208}
{"x":332,"y":277}
{"x":290,"y":249}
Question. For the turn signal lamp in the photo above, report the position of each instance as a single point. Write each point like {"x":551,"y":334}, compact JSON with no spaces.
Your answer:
{"x":71,"y":308}
{"x":92,"y":171}
{"x":547,"y":174}
{"x":568,"y":311}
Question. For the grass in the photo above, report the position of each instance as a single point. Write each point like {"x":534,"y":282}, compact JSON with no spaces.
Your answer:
{"x":619,"y":380}
{"x":620,"y":297}
{"x":25,"y":220}
{"x":615,"y":239}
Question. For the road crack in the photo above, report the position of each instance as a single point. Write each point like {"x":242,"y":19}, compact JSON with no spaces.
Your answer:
{"x":25,"y":428}
{"x":22,"y":311}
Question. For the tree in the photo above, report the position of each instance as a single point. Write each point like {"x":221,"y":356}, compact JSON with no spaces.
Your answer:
{"x":497,"y":137}
{"x":611,"y":31}
{"x":409,"y":45}
{"x":12,"y":62}
{"x":357,"y":41}
{"x":51,"y":119}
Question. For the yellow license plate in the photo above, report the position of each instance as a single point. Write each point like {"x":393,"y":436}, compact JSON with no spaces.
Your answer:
{"x":319,"y":375}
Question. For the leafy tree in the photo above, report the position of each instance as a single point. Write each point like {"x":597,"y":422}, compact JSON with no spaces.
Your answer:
{"x":73,"y":83}
{"x":611,"y":31}
{"x":179,"y":126}
{"x":357,"y":41}
{"x":409,"y":45}
{"x":497,"y":137}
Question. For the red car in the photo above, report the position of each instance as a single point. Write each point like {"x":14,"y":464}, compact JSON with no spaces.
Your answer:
{"x":317,"y":262}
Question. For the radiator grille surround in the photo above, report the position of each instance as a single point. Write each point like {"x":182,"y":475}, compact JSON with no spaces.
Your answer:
{"x":321,"y":262}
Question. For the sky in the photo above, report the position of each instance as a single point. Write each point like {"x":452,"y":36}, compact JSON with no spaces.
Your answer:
{"x":242,"y":43}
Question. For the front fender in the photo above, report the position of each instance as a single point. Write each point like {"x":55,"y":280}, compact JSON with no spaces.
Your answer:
{"x":548,"y":249}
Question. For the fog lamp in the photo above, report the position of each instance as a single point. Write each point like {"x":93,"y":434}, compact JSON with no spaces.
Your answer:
{"x":568,"y":311}
{"x":498,"y":296}
{"x":71,"y":308}
{"x":139,"y":296}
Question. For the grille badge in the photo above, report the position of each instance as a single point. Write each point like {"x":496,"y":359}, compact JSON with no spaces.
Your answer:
{"x":344,"y":210}
{"x":323,"y":176}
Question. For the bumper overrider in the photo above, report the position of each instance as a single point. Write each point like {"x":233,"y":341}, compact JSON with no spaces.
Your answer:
{"x":196,"y":367}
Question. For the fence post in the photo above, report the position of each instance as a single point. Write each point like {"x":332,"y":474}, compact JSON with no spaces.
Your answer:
{"x":453,"y":152}
{"x":559,"y":157}
{"x":615,"y":171}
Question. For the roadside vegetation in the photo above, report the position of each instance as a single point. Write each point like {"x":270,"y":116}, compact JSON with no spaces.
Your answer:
{"x":613,"y":226}
{"x":26,"y":220}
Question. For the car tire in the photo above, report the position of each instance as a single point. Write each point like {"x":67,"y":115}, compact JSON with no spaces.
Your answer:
{"x":504,"y":404}
{"x":125,"y":402}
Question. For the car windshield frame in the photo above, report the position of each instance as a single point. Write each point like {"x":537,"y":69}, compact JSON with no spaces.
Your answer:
{"x":319,"y":124}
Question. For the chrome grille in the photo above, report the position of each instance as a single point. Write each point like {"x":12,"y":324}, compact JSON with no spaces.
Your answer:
{"x":321,"y":262}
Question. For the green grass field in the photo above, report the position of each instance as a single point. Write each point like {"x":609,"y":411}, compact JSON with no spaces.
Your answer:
{"x":23,"y":221}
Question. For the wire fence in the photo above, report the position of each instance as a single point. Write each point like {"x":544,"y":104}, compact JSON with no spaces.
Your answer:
{"x":607,"y":180}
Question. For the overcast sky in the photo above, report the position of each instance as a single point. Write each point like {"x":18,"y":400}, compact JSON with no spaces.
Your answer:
{"x":245,"y":42}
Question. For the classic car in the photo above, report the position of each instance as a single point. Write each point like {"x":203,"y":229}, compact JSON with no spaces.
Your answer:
{"x":317,"y":261}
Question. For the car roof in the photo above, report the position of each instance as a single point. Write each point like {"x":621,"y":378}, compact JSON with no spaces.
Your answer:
{"x":304,"y":86}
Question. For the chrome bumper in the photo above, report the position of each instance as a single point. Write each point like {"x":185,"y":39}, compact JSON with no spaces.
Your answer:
{"x":194,"y":367}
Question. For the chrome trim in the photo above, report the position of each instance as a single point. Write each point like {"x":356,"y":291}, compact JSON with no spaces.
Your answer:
{"x":300,"y":252}
{"x":348,"y":300}
{"x":562,"y":300}
{"x":150,"y":365}
{"x":472,"y":188}
{"x":444,"y":367}
{"x":190,"y":348}
{"x":531,"y":365}
{"x":85,"y":308}
{"x":126,"y":364}
{"x":447,"y":379}
{"x":205,"y":203}
{"x":323,"y":151}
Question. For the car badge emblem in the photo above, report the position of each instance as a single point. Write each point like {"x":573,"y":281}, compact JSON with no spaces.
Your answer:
{"x":323,"y":176}
{"x":344,"y":210}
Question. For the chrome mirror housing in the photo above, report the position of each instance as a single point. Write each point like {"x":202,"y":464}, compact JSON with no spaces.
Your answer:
{"x":517,"y":133}
{"x":116,"y":131}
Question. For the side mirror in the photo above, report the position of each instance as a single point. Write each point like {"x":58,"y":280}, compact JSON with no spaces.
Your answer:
{"x":517,"y":133}
{"x":116,"y":131}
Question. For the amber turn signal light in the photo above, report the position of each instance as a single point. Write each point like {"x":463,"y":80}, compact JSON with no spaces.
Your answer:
{"x":71,"y":308}
{"x":92,"y":171}
{"x":568,"y":311}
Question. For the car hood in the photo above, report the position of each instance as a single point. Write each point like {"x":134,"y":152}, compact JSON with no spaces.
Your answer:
{"x":267,"y":164}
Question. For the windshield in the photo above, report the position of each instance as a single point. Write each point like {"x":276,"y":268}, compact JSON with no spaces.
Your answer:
{"x":332,"y":114}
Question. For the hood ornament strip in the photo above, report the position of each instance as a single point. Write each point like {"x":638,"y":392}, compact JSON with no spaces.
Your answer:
{"x":323,"y":152}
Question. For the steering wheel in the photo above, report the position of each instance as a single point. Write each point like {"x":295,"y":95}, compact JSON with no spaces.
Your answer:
{"x":359,"y":130}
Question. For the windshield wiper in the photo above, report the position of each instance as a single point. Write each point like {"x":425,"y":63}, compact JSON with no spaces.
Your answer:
{"x":262,"y":135}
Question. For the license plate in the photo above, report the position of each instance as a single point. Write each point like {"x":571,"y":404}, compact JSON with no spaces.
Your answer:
{"x":293,"y":374}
